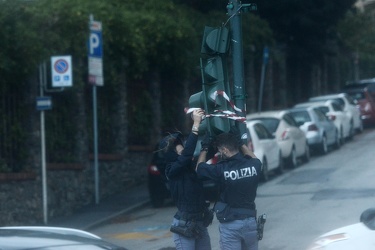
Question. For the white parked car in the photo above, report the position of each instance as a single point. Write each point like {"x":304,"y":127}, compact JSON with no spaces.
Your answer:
{"x":51,"y":238}
{"x":359,"y":236}
{"x":335,"y":113}
{"x":265,"y":147}
{"x":349,"y":106}
{"x":289,"y":136}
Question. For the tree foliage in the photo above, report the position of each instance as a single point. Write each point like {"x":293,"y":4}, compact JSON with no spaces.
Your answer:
{"x":155,"y":40}
{"x":304,"y":26}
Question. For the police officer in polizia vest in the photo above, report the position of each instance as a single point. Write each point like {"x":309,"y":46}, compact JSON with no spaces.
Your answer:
{"x":190,"y":222}
{"x":238,"y":175}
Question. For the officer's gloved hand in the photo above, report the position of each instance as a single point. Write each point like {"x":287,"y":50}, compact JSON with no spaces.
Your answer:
{"x":236,"y":132}
{"x":206,"y":143}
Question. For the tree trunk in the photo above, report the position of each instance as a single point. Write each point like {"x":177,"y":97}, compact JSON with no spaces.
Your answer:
{"x":81,"y":135}
{"x":251,"y":100}
{"x":119,"y":117}
{"x":155,"y":93}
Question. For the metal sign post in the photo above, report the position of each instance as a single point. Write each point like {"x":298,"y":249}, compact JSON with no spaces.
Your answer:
{"x":96,"y":79}
{"x":262,"y":77}
{"x":43,"y":144}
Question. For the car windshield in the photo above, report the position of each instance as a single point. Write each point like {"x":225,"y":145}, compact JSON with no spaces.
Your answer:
{"x":357,"y":95}
{"x":270,"y":123}
{"x":324,"y":109}
{"x":325,"y":98}
{"x":300,"y":116}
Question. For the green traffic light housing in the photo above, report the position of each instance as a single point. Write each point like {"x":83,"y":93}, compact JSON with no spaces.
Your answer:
{"x":213,"y":70}
{"x":215,"y":40}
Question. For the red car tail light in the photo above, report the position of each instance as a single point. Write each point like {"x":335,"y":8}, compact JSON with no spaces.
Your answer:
{"x":153,"y":169}
{"x":312,"y":127}
{"x":332,"y":117}
{"x":285,"y":135}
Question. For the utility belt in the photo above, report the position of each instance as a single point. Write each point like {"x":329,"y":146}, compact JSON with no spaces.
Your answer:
{"x":189,"y":216}
{"x":191,"y":225}
{"x":225,"y":213}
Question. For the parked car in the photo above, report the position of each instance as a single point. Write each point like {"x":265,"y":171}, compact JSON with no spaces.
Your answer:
{"x":265,"y":147}
{"x":364,"y":83}
{"x":289,"y":136}
{"x":349,"y":106}
{"x":334,"y":111}
{"x":157,"y":181}
{"x":51,"y":238}
{"x":365,"y":101}
{"x":319,"y":130}
{"x":356,"y":236}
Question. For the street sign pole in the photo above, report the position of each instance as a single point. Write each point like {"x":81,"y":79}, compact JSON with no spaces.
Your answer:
{"x":43,"y":149}
{"x":96,"y":79}
{"x":262,"y":77}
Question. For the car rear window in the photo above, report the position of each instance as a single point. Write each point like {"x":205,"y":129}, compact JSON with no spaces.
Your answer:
{"x":357,"y":95}
{"x":301,"y":116}
{"x":270,"y":123}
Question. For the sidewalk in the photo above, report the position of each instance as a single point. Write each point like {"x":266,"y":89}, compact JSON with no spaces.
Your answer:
{"x":92,"y":215}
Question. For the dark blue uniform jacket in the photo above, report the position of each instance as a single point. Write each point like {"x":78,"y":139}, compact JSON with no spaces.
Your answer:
{"x":185,"y":186}
{"x":238,"y":177}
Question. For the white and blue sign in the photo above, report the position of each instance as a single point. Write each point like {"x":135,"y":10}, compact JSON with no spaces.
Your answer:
{"x":95,"y":44}
{"x":61,"y":68}
{"x":95,"y":54}
{"x":43,"y":103}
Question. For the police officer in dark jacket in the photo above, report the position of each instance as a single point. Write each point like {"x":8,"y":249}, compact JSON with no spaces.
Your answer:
{"x":189,"y":225}
{"x":238,"y":176}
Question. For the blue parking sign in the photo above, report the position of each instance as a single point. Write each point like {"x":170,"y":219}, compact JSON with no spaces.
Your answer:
{"x":95,"y":39}
{"x":95,"y":54}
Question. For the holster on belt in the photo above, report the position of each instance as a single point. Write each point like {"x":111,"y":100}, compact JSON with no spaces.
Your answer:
{"x":187,"y":229}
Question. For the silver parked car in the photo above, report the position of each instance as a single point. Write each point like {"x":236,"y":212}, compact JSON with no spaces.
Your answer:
{"x":51,"y":238}
{"x":333,"y":110}
{"x":289,"y":136}
{"x":319,"y":130}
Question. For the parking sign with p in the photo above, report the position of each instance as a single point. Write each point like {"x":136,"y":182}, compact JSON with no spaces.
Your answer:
{"x":95,"y":54}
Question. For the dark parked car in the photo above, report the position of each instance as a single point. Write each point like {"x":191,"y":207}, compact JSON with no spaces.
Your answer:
{"x":51,"y":238}
{"x":157,"y":182}
{"x":365,"y":101}
{"x":364,"y":83}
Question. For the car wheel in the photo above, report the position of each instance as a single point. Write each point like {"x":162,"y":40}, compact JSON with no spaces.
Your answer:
{"x":324,"y":146}
{"x":360,"y":129}
{"x":306,"y":156}
{"x":342,"y":139}
{"x":351,"y":131}
{"x":292,"y":160}
{"x":265,"y":176}
{"x":337,"y":140}
{"x":280,"y":169}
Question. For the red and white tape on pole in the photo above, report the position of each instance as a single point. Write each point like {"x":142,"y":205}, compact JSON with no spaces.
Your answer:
{"x":222,"y":113}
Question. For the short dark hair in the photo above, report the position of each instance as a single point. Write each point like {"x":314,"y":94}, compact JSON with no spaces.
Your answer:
{"x":227,"y":140}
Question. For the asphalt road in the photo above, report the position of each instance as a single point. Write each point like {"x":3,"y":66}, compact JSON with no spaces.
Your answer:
{"x":330,"y":191}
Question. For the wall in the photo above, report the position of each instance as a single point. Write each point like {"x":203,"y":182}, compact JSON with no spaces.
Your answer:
{"x":70,"y":186}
